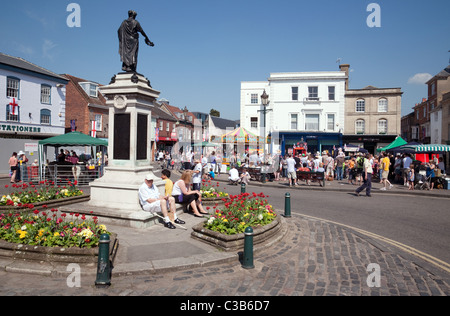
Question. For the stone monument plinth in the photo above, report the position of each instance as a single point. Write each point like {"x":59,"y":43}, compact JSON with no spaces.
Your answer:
{"x":130,"y":98}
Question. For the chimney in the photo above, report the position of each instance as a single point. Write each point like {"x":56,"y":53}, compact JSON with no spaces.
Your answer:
{"x":346,"y":68}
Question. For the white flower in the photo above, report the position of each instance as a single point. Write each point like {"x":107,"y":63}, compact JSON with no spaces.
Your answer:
{"x":23,"y":227}
{"x":211,"y":220}
{"x":260,"y":217}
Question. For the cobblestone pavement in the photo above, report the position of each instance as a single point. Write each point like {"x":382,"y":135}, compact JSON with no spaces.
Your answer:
{"x":315,"y":258}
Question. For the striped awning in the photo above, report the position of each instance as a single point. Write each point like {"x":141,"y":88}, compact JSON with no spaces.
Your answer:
{"x":240,"y":135}
{"x":427,"y":148}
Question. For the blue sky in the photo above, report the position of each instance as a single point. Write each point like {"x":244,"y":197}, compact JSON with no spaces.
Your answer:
{"x":205,"y":48}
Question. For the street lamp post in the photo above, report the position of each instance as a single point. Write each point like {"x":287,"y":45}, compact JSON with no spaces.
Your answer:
{"x":265,"y":103}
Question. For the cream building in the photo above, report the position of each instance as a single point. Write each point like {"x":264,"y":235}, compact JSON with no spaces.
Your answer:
{"x":372,"y":116}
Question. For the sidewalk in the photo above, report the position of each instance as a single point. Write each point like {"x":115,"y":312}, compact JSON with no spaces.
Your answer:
{"x":314,"y":258}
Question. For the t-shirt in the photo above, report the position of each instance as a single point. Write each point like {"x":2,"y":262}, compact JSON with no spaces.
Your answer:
{"x":368,"y":166}
{"x":197,"y":177}
{"x":168,"y":187}
{"x":407,"y":162}
{"x":290,"y":165}
{"x":234,"y":174}
{"x":385,"y":163}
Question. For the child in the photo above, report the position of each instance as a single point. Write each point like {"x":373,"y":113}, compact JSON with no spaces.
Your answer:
{"x":411,"y":179}
{"x":211,"y":174}
{"x":165,"y":175}
{"x":245,"y":176}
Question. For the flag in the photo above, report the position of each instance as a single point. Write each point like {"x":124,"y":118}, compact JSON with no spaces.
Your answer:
{"x":94,"y":130}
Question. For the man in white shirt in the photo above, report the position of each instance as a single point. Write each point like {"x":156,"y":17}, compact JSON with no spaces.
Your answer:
{"x":292,"y":173}
{"x":234,"y":176}
{"x":406,"y":166}
{"x":197,"y":175}
{"x":151,"y":201}
{"x":367,"y":185}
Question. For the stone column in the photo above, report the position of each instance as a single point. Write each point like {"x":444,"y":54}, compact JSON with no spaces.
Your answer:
{"x":130,"y":99}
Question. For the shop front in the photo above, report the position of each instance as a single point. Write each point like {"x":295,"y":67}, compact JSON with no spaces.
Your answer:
{"x":315,"y":141}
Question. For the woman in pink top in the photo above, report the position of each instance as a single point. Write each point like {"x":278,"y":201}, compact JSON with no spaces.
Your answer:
{"x":13,"y":165}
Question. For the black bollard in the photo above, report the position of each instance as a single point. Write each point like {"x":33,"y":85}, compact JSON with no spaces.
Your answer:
{"x":104,"y":264}
{"x":247,"y":262}
{"x":287,"y":205}
{"x":243,"y":187}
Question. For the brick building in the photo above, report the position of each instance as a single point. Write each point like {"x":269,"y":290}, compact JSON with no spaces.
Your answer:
{"x":86,"y":109}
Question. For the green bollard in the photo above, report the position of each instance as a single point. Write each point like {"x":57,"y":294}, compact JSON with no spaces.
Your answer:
{"x":104,"y":265}
{"x":243,"y":187}
{"x":248,"y":249}
{"x":287,"y":205}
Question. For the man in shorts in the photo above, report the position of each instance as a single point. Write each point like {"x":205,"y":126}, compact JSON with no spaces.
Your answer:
{"x":385,"y":163}
{"x":151,"y":201}
{"x":291,"y":171}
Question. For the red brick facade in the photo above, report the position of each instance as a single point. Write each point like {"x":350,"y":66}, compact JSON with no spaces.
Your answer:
{"x":83,"y":108}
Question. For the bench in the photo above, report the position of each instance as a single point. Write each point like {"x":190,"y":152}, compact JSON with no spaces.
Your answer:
{"x":312,"y":177}
{"x":256,"y":175}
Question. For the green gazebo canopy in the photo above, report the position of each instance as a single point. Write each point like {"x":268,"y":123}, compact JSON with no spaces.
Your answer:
{"x":396,"y":143}
{"x":73,"y":139}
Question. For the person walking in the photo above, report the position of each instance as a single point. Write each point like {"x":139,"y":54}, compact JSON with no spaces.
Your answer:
{"x":384,"y":166}
{"x":13,"y":166}
{"x":291,"y":171}
{"x":367,"y":176}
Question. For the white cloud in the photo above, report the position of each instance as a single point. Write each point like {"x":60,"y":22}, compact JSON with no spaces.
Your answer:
{"x":420,"y":78}
{"x":47,"y":47}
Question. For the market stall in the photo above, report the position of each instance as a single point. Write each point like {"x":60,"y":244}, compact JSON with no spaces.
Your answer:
{"x":87,"y":167}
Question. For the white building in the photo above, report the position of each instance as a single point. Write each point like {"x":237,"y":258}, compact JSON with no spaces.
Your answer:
{"x":303,"y":105}
{"x":33,"y":101}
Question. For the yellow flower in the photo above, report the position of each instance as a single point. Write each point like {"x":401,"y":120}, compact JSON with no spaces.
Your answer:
{"x":225,"y":220}
{"x":21,"y":233}
{"x":242,"y":223}
{"x":56,"y":234}
{"x":246,"y":214}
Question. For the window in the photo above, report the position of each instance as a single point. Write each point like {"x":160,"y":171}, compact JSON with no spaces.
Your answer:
{"x":12,"y":87}
{"x":254,"y":122}
{"x":294,"y":121}
{"x":167,"y":127}
{"x":254,"y":98}
{"x":294,"y":93}
{"x":90,"y":88}
{"x":46,"y":117}
{"x":382,"y":126}
{"x":313,"y":93}
{"x":360,"y":105}
{"x":330,"y":122}
{"x":312,"y":122}
{"x":12,"y":111}
{"x":46,"y":94}
{"x":98,"y":122}
{"x":382,"y":105}
{"x":331,"y":94}
{"x":360,"y":126}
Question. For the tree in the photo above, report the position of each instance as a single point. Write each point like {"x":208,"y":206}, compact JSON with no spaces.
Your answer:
{"x":214,"y":113}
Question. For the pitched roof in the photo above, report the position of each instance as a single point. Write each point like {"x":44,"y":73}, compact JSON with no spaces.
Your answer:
{"x":100,"y":100}
{"x":19,"y":63}
{"x":223,"y":123}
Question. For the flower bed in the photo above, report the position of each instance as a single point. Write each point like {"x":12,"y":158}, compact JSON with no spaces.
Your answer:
{"x":242,"y":211}
{"x":28,"y":193}
{"x":225,"y":229}
{"x":51,"y":229}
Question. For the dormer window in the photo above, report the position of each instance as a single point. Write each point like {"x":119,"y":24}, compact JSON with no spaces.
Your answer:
{"x":90,"y":88}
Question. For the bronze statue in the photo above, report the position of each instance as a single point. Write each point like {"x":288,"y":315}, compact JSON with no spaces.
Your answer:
{"x":129,"y":42}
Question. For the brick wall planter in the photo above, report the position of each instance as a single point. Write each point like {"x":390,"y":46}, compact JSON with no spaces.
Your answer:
{"x":54,"y":254}
{"x":262,"y":236}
